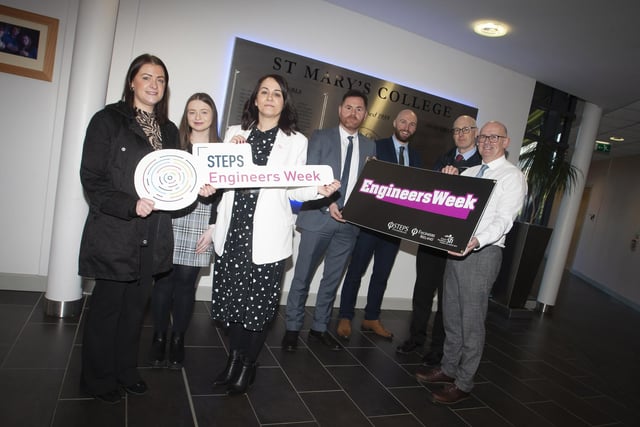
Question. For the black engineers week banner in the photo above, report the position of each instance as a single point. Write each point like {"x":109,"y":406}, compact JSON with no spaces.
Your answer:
{"x":419,"y":205}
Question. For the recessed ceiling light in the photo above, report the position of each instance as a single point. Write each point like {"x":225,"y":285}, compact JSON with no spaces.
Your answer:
{"x":490,"y":28}
{"x":616,"y":138}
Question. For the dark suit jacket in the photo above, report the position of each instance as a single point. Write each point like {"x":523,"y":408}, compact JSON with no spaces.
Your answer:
{"x":386,"y":151}
{"x":325,"y":149}
{"x":449,"y":158}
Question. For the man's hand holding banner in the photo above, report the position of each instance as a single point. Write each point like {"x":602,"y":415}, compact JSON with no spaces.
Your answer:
{"x":426,"y":207}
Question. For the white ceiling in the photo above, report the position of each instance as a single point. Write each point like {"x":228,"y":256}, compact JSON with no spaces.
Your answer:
{"x":588,"y":48}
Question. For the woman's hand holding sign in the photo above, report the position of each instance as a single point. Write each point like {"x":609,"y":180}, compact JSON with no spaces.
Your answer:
{"x":206,"y":190}
{"x":238,"y":139}
{"x":329,"y":189}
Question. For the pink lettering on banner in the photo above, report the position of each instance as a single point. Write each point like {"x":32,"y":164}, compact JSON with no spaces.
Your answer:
{"x":450,"y":211}
{"x":440,"y":202}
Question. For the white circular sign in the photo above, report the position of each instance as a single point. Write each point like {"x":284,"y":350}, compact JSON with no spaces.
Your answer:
{"x":169,"y":178}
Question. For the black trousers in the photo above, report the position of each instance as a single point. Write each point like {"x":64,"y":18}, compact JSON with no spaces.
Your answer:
{"x":430,"y":265}
{"x":112,"y":334}
{"x":174,"y":293}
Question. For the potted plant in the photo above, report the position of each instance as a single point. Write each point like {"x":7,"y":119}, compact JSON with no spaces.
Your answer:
{"x":548,"y":172}
{"x":544,"y":161}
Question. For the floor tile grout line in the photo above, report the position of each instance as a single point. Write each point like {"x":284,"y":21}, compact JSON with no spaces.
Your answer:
{"x":187,"y":388}
{"x":376,"y":378}
{"x":66,"y":368}
{"x":570,"y":393}
{"x":24,"y":326}
{"x":544,"y":347}
{"x":566,"y":409}
{"x":293,"y":387}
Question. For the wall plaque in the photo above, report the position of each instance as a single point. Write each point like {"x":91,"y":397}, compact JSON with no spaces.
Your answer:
{"x":317,"y":88}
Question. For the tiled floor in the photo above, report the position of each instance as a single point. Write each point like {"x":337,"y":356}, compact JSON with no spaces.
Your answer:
{"x":577,"y":367}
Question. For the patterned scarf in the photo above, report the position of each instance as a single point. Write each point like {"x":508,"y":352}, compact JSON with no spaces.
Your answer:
{"x":151,"y":128}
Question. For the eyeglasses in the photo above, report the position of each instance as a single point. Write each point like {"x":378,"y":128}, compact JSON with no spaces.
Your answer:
{"x":491,"y":139}
{"x":465,"y":129}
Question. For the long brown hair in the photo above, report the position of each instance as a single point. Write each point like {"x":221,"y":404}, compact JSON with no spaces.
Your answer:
{"x":288,"y":120}
{"x":161,"y":109}
{"x":185,"y":129}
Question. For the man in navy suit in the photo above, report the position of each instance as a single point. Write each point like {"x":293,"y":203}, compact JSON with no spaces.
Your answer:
{"x":323,"y":231}
{"x":379,"y":246}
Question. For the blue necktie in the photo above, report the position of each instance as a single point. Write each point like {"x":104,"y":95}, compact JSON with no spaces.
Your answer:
{"x":482,"y":169}
{"x":401,"y":156}
{"x":344,"y":179}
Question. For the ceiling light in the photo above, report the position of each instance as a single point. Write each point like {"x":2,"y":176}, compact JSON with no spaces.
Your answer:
{"x":616,"y":138}
{"x":490,"y":28}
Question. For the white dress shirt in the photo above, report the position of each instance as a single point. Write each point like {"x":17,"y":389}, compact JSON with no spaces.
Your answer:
{"x":505,"y":201}
{"x":355,"y":155}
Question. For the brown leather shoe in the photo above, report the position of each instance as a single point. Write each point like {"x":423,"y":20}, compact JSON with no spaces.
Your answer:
{"x":432,"y":375}
{"x":344,"y":328}
{"x":449,"y":395}
{"x":376,"y":327}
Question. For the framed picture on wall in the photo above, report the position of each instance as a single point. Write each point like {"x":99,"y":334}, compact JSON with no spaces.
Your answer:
{"x":27,"y":43}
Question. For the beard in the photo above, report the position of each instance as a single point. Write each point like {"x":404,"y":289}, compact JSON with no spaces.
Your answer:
{"x":401,"y":137}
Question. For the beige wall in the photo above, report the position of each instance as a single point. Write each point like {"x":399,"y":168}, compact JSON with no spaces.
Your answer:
{"x":611,"y":219}
{"x":195,"y":39}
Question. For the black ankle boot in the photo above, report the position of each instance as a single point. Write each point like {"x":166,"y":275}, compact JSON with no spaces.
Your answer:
{"x":158,"y":349}
{"x":245,"y":378}
{"x":176,"y":351}
{"x":232,"y":370}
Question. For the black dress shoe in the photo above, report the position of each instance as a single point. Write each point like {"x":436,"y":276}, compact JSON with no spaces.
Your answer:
{"x":433,"y":358}
{"x":112,"y":397}
{"x":326,"y":339}
{"x":407,"y":347}
{"x":290,"y":341}
{"x":138,"y":388}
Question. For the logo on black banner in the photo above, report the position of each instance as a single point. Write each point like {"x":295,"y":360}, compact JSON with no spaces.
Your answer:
{"x":423,"y":235}
{"x":446,"y":240}
{"x":398,"y":228}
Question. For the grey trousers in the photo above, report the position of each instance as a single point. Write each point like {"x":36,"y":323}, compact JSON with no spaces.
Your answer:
{"x":467,"y":284}
{"x":334,"y":244}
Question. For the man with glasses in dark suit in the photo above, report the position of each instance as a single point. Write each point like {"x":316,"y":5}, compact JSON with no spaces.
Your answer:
{"x":430,"y":262}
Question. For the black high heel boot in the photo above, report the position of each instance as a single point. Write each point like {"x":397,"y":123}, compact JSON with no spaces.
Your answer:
{"x":245,"y":378}
{"x":176,"y":351}
{"x":232,"y":370}
{"x":158,"y":349}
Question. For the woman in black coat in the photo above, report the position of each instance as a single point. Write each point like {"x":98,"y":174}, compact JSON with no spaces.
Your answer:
{"x":126,"y":243}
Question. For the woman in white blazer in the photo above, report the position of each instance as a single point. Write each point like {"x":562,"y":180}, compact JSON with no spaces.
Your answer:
{"x":253,"y":234}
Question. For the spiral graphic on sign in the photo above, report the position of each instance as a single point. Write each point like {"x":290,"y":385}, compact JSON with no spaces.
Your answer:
{"x":169,"y":178}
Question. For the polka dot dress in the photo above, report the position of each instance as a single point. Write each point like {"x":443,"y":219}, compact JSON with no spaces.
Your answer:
{"x":244,"y":292}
